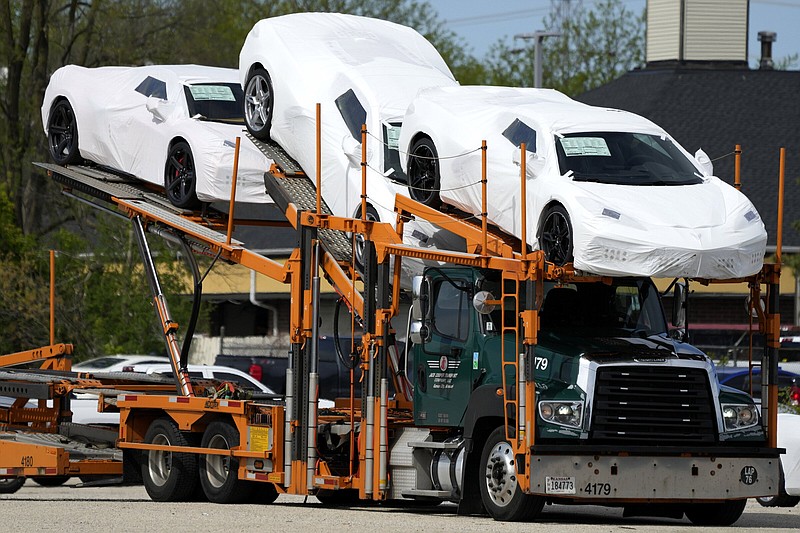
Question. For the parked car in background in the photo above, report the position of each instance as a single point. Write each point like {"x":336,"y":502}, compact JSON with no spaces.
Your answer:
{"x":362,"y":71}
{"x":84,"y":406}
{"x":788,"y":438}
{"x":607,"y":189}
{"x":741,"y":378}
{"x":117,"y":363}
{"x":172,"y":125}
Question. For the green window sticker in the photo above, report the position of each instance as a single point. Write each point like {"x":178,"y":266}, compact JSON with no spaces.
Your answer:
{"x":583,"y":146}
{"x":474,"y":360}
{"x":212,"y":92}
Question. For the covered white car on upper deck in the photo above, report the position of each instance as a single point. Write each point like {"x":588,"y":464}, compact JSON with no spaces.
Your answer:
{"x":361,"y":71}
{"x":606,"y":188}
{"x":172,"y":125}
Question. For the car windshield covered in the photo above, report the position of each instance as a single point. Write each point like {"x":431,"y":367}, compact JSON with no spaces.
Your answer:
{"x":625,"y":308}
{"x":217,"y":102}
{"x":622,"y":158}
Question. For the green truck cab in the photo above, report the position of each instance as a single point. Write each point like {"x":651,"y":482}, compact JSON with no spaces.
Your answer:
{"x":624,"y":408}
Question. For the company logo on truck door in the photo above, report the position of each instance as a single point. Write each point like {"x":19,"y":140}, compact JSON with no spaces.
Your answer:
{"x":448,"y":372}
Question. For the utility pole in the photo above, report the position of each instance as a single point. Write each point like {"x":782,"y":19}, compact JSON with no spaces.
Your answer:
{"x":538,"y":37}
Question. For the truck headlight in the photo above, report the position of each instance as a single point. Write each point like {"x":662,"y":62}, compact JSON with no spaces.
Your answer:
{"x":739,"y":416}
{"x":562,"y":413}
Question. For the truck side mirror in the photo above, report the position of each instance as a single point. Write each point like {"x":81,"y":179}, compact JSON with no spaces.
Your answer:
{"x":679,"y":295}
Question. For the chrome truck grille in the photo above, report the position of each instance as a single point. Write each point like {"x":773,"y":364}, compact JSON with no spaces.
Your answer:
{"x":667,"y":405}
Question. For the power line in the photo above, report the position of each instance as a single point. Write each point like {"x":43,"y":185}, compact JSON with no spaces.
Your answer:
{"x":496,"y":17}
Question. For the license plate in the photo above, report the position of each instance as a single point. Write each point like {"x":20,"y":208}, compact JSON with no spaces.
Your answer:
{"x":559,"y":485}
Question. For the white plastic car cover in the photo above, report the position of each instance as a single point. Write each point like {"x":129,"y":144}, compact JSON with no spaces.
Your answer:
{"x":320,"y":57}
{"x":124,"y":128}
{"x":703,"y":230}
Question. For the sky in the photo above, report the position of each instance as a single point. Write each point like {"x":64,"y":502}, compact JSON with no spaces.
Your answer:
{"x":481,"y":23}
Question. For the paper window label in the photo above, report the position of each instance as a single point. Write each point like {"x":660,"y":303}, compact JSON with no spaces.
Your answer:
{"x":583,"y":146}
{"x":212,"y":92}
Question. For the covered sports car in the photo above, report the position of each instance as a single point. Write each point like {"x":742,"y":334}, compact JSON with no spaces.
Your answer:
{"x":174,"y":126}
{"x":607,"y":189}
{"x":361,"y":71}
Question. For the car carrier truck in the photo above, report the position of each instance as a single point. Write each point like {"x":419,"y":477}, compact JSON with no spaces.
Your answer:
{"x":531,"y":383}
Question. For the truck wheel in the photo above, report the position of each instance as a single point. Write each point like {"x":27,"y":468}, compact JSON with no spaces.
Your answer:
{"x":500,"y":492}
{"x":180,"y":177}
{"x":782,"y":499}
{"x":219,"y":474}
{"x":10,"y":485}
{"x":168,"y":476}
{"x":555,"y":236}
{"x":423,"y":173}
{"x":715,"y":514}
{"x":258,"y":104}
{"x":62,"y":133}
{"x":50,"y":481}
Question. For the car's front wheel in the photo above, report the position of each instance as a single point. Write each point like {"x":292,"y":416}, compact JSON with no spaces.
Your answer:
{"x":180,"y":177}
{"x":62,"y":133}
{"x":258,"y":103}
{"x":555,"y":235}
{"x":500,"y":492}
{"x":423,"y":173}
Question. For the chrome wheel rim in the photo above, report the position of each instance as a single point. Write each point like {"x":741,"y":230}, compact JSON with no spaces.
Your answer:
{"x":501,"y":474}
{"x":257,"y":102}
{"x":159,"y":462}
{"x":218,"y":466}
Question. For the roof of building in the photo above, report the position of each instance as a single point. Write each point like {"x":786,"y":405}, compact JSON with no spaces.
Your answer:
{"x":716,"y":109}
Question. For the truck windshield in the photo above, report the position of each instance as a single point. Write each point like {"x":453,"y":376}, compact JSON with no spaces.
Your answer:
{"x":622,"y":158}
{"x":624,"y":308}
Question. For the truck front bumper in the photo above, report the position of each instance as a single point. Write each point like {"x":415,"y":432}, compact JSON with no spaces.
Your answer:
{"x":654,"y":478}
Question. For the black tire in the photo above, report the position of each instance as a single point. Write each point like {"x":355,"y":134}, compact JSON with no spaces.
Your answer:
{"x":555,"y":235}
{"x":337,"y":498}
{"x":261,"y":493}
{"x":10,"y":485}
{"x":782,"y":499}
{"x":715,"y":514}
{"x":168,"y":476}
{"x":219,"y":474}
{"x":180,"y":177}
{"x":372,"y":214}
{"x":259,"y":102}
{"x":62,"y":133}
{"x":500,"y":492}
{"x":424,"y":179}
{"x":50,"y":481}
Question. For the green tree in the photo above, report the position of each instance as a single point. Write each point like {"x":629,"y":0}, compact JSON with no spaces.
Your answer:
{"x":596,"y":45}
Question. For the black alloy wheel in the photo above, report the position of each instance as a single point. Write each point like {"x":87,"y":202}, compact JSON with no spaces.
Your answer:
{"x":180,"y":178}
{"x":555,"y":236}
{"x":62,"y":133}
{"x":423,"y":173}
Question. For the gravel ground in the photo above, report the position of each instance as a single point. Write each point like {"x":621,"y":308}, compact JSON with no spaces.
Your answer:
{"x":123,"y":509}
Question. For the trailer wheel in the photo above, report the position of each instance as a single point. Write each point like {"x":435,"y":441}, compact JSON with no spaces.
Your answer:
{"x":259,"y":102}
{"x":715,"y":514}
{"x":219,"y":474}
{"x":360,"y":244}
{"x":50,"y":481}
{"x":62,"y":133}
{"x":555,"y":236}
{"x":180,"y":177}
{"x":168,"y":476}
{"x":500,"y":492}
{"x":261,"y":493}
{"x":10,"y":485}
{"x":782,"y":499}
{"x":423,"y":173}
{"x":337,"y":498}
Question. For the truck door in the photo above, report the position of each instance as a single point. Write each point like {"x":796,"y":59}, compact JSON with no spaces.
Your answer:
{"x":443,"y":361}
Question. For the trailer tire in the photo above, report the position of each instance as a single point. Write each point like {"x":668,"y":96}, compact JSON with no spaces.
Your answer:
{"x":261,"y":493}
{"x":219,"y":474}
{"x":168,"y":476}
{"x":9,"y":485}
{"x":337,"y":498}
{"x":715,"y":514}
{"x":500,"y":492}
{"x":50,"y":481}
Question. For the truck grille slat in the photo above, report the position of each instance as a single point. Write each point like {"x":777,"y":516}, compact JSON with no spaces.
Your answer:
{"x":653,"y":404}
